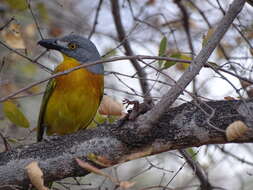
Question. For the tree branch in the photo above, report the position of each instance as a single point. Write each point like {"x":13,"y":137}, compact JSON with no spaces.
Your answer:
{"x":129,"y":52}
{"x":87,"y":65}
{"x":169,"y":98}
{"x":205,"y":184}
{"x":180,"y":127}
{"x":138,"y":57}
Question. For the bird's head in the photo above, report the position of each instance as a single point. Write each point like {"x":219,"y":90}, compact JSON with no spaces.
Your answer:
{"x":77,"y":47}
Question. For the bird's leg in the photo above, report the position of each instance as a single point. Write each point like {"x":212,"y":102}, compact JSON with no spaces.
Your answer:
{"x":138,"y":108}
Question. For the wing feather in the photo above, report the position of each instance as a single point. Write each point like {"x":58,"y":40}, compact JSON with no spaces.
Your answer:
{"x":41,"y":128}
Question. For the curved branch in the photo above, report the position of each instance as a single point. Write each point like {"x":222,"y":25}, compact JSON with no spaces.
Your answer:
{"x":180,"y":127}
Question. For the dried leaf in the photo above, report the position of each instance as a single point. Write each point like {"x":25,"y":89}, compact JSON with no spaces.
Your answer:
{"x":30,"y":30}
{"x":150,"y":2}
{"x":142,"y":153}
{"x":229,"y":98}
{"x":126,"y":184}
{"x":35,"y":175}
{"x":89,"y":167}
{"x":13,"y":113}
{"x":100,"y":160}
{"x":95,"y":170}
{"x":55,"y":30}
{"x":207,"y":36}
{"x":235,"y":130}
{"x":109,"y":106}
{"x":12,"y":36}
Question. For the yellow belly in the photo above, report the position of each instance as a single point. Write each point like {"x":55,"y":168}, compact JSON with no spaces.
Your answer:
{"x":74,"y":101}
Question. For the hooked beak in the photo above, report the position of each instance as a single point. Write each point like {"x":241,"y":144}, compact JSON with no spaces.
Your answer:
{"x":50,"y":44}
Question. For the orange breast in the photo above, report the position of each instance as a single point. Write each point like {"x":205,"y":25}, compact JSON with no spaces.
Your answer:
{"x":74,"y":101}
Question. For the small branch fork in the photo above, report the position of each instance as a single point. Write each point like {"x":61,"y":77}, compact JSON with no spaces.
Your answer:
{"x":169,"y":98}
{"x":129,"y":52}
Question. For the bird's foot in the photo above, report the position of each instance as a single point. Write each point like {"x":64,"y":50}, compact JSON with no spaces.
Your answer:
{"x":138,"y":108}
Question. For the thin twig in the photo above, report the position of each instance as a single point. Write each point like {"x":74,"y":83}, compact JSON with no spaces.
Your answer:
{"x":126,"y":85}
{"x":186,"y":25}
{"x":205,"y":184}
{"x":235,"y":156}
{"x":34,"y":18}
{"x":137,"y":57}
{"x":86,"y":65}
{"x":201,"y":13}
{"x":26,"y":57}
{"x":2,"y":64}
{"x":173,"y":177}
{"x":6,"y":144}
{"x":7,"y":23}
{"x":128,"y":49}
{"x":96,"y":19}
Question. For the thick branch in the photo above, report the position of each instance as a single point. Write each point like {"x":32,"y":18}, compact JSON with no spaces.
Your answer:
{"x":180,"y":127}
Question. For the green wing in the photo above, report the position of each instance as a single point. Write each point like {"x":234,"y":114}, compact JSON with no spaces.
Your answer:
{"x":41,"y":126}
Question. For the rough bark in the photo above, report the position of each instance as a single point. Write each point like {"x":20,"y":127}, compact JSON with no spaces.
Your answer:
{"x":180,"y":127}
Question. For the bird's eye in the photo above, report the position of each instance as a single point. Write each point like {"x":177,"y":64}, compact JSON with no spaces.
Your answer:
{"x":72,"y":46}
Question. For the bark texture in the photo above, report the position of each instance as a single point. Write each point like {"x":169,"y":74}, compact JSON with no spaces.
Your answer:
{"x":184,"y":126}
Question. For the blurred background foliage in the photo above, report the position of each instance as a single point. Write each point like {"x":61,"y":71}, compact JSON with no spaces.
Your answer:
{"x":153,"y":27}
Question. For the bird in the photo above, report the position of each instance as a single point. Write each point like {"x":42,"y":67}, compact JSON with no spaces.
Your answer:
{"x":71,"y":101}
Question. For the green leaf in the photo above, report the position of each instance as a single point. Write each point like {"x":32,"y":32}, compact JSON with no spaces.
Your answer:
{"x":98,"y":119}
{"x":168,"y":64}
{"x":19,"y":5}
{"x":174,"y":55}
{"x":213,"y":64}
{"x":13,"y":113}
{"x":13,"y":140}
{"x":109,"y":53}
{"x":162,"y":49}
{"x":192,"y":153}
{"x":181,"y":65}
